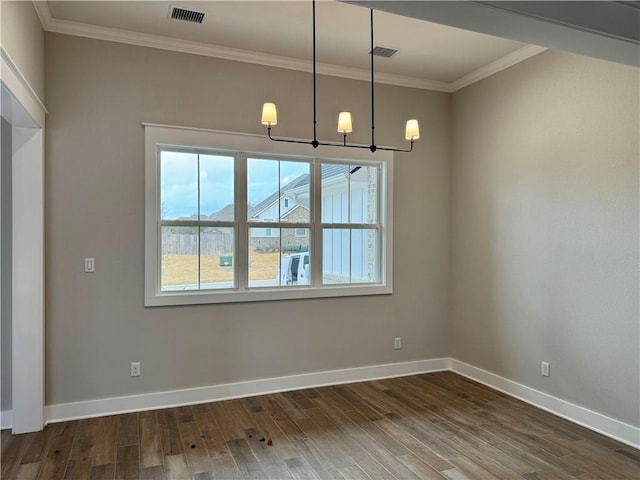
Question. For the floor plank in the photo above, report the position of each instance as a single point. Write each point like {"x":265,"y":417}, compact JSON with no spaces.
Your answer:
{"x":248,"y":464}
{"x":127,"y":462}
{"x":54,"y":464}
{"x":170,"y":442}
{"x":150,"y":444}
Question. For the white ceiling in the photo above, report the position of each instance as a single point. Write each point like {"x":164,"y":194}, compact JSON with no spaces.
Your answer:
{"x":426,"y":51}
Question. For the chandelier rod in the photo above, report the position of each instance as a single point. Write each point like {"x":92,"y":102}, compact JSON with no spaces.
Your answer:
{"x":315,"y":142}
{"x":373,"y":123}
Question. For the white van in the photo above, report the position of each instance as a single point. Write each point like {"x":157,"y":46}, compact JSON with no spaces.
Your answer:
{"x":295,"y":269}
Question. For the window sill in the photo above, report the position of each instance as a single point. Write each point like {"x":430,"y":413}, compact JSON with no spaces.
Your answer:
{"x":153,"y":299}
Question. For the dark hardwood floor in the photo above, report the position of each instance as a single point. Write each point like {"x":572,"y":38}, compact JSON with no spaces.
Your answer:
{"x":437,"y":425}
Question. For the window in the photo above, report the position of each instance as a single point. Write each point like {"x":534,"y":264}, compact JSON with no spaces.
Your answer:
{"x":232,"y":218}
{"x":350,"y":227}
{"x":196,"y":225}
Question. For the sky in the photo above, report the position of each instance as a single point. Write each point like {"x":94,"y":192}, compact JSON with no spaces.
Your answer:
{"x":179,"y":181}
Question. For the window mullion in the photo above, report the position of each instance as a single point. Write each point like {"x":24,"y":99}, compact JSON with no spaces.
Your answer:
{"x":199,"y":230}
{"x":241,"y":272}
{"x":379,"y":222}
{"x":349,"y":222}
{"x":316,"y":221}
{"x":157,"y":170}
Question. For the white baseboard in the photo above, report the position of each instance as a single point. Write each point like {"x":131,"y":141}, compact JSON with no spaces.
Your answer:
{"x":192,"y":396}
{"x":6,"y":419}
{"x":608,"y":426}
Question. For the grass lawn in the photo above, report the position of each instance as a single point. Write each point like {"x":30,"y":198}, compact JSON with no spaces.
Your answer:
{"x":183,"y":269}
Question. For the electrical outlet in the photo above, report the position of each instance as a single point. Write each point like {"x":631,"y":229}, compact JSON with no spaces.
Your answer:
{"x":544,"y":369}
{"x":135,"y":369}
{"x":89,"y":265}
{"x":398,"y":343}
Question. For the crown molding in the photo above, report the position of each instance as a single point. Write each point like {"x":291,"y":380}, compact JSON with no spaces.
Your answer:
{"x":43,"y":12}
{"x":79,"y":29}
{"x":496,"y":66}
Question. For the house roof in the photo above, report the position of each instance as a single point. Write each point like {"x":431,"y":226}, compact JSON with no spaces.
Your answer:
{"x":227,"y":213}
{"x":328,"y":170}
{"x":273,"y":198}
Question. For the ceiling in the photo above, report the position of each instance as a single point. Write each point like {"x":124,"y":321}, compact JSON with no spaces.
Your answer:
{"x":429,"y":55}
{"x":609,"y":29}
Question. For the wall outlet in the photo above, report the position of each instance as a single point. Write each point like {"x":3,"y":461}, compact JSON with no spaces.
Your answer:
{"x":397,"y":343}
{"x":544,"y":369}
{"x":135,"y":369}
{"x":89,"y":265}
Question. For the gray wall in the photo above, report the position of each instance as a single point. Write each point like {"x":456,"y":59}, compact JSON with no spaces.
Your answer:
{"x":545,"y":229}
{"x":6,"y":217}
{"x":98,"y":93}
{"x":23,"y":38}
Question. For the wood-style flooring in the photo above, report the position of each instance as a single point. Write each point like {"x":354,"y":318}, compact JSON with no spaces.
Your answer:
{"x":431,"y":426}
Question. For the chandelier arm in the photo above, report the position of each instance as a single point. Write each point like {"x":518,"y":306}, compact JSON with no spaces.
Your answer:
{"x":305,"y":142}
{"x":391,"y":149}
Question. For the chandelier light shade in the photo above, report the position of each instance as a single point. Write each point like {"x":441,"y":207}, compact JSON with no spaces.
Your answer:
{"x":412,"y":132}
{"x":270,"y":115}
{"x":344,"y":123}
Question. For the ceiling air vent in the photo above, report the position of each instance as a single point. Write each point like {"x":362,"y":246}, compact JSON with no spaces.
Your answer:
{"x":384,"y":52}
{"x":186,"y":15}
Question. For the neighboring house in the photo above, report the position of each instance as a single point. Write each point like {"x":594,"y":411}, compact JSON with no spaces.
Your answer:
{"x":290,"y":204}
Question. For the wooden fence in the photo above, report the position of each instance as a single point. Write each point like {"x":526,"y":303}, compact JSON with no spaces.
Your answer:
{"x":211,"y":243}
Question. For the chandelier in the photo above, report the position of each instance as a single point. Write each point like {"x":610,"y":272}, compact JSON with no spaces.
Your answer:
{"x":270,"y":114}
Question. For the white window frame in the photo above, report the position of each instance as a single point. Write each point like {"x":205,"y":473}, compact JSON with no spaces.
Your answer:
{"x":163,"y":136}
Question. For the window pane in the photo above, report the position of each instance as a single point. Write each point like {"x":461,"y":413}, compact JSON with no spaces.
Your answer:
{"x":262,"y":190}
{"x":364,"y":194}
{"x":179,"y":257}
{"x":264,"y":256}
{"x":216,"y":188}
{"x":350,"y":256}
{"x":278,"y":191}
{"x":281,"y":259}
{"x":294,"y":240}
{"x":216,"y":257}
{"x":178,"y":185}
{"x":349,"y":194}
{"x":294,"y":192}
{"x":336,"y":259}
{"x":335,"y":193}
{"x":364,"y":256}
